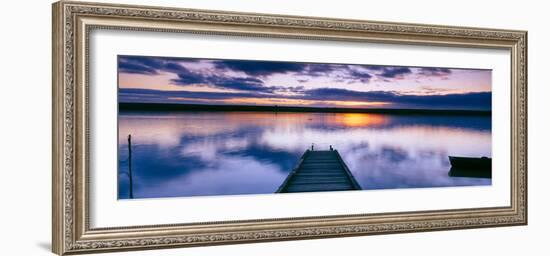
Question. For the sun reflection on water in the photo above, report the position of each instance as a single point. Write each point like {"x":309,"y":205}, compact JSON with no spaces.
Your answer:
{"x":361,"y":119}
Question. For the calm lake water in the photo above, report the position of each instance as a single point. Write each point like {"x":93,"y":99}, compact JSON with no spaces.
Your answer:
{"x":229,"y":153}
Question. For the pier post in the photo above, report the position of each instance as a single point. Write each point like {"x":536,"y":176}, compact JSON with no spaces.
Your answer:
{"x":130,"y":165}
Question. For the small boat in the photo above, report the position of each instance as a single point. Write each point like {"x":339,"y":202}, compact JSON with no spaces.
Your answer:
{"x":472,"y":167}
{"x":470,"y":162}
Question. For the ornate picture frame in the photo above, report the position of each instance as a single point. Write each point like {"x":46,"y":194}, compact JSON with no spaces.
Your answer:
{"x":72,"y":24}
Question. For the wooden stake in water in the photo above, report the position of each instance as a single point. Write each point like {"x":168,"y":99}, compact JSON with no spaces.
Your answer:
{"x":130,"y":165}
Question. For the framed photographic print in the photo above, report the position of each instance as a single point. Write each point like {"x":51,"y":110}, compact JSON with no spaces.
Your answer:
{"x":178,"y":127}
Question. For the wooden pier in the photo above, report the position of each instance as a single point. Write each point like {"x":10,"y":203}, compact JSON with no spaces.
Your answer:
{"x":319,"y":170}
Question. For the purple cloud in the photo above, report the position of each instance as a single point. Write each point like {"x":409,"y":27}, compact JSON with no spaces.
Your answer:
{"x":259,"y":68}
{"x":433,"y":71}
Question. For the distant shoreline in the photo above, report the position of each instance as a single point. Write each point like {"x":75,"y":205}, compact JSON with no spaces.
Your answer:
{"x":248,"y":108}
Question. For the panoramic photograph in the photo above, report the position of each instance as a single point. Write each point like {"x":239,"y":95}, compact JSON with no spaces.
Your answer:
{"x":213,"y":127}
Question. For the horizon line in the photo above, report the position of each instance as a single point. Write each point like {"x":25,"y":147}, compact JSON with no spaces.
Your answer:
{"x":156,"y":106}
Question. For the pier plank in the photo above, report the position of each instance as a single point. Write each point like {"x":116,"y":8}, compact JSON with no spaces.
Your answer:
{"x":321,"y":170}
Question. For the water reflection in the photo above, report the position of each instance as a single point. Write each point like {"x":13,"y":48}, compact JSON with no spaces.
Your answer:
{"x":225,"y":153}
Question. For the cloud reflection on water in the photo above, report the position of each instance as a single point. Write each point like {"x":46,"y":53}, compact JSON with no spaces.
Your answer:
{"x":217,"y":153}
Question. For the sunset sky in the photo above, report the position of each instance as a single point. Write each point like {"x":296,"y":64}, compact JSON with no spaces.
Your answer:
{"x":246,"y":82}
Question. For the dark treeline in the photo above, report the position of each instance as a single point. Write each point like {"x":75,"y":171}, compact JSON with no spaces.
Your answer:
{"x":228,"y":108}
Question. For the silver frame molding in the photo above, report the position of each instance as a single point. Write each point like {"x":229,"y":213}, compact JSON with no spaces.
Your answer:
{"x":72,"y":23}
